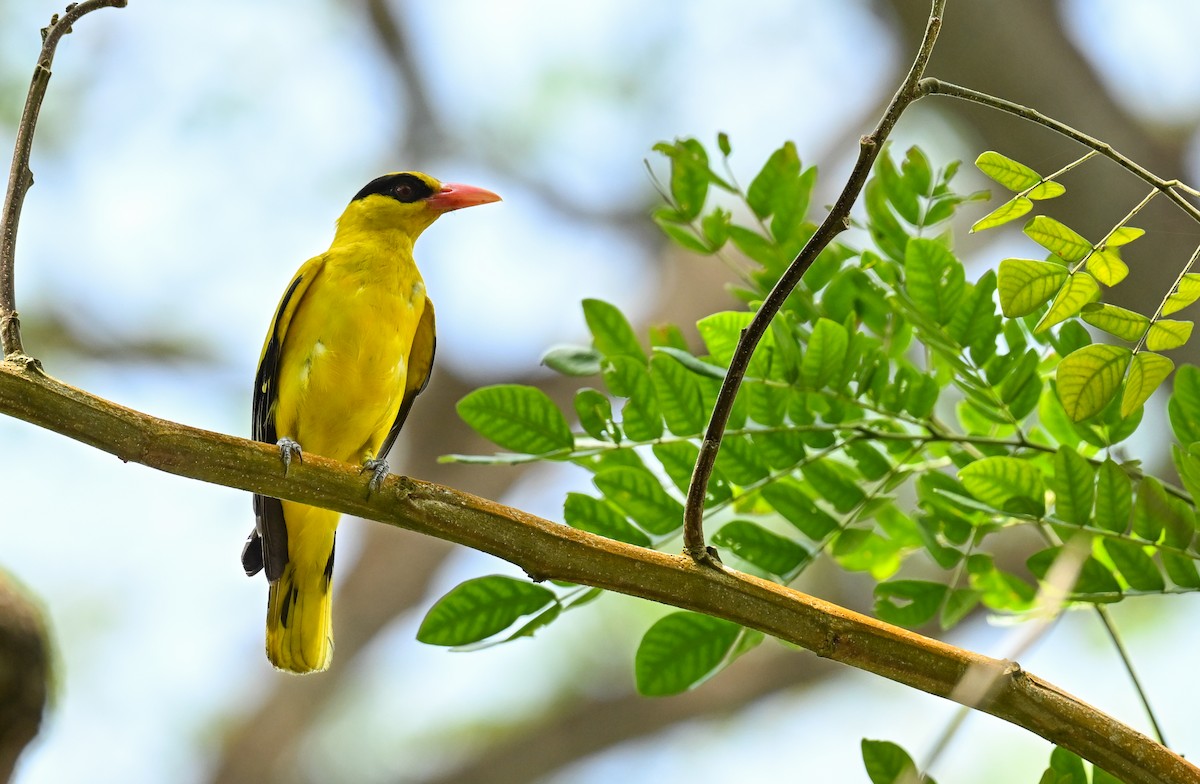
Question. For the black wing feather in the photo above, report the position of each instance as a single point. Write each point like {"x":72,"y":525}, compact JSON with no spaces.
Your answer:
{"x":267,"y":545}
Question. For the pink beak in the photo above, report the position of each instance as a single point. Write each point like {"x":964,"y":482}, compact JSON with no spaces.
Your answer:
{"x":454,"y":196}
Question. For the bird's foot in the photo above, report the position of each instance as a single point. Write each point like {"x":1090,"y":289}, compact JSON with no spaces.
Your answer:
{"x":379,"y":469}
{"x":287,"y":450}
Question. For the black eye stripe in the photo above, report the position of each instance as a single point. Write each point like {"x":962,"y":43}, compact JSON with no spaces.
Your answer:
{"x":403,"y":187}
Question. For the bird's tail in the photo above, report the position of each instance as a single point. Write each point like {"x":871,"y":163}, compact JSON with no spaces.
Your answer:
{"x":299,"y":616}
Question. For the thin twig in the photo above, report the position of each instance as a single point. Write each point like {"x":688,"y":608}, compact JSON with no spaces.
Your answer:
{"x":1171,"y":188}
{"x":835,"y":222}
{"x":1127,"y":661}
{"x":20,"y":178}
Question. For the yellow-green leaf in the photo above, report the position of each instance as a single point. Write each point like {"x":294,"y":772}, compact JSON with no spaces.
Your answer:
{"x":1004,"y":170}
{"x":1047,"y":190}
{"x":1081,"y":289}
{"x":1009,"y":210}
{"x":1088,"y":379}
{"x":1187,"y":292}
{"x":1026,"y":284}
{"x":1123,"y":323}
{"x":1166,"y":334}
{"x":996,"y":480}
{"x":1123,"y":236}
{"x":1146,"y":372}
{"x":1058,"y":238}
{"x":1107,"y":266}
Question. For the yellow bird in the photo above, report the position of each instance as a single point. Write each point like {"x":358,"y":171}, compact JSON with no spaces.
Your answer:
{"x":349,"y":349}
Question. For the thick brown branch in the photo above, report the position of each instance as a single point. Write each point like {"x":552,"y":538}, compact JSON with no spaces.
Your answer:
{"x":549,"y":550}
{"x":835,"y":222}
{"x":19,"y":175}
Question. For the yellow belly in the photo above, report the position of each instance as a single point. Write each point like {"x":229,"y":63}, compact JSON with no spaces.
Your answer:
{"x":345,"y":361}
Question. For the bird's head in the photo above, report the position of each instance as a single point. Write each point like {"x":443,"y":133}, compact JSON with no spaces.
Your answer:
{"x":409,"y":201}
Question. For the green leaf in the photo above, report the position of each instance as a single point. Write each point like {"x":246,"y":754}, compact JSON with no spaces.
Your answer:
{"x":1184,"y":406}
{"x":998,"y":480}
{"x":757,"y":247}
{"x":1135,"y":565}
{"x":572,"y":360}
{"x":1114,"y":497}
{"x":788,"y":499}
{"x":1187,"y":292}
{"x":697,"y":366}
{"x":1123,"y":236}
{"x":595,"y":413}
{"x":680,"y":650}
{"x":678,"y":396}
{"x":1081,"y":289}
{"x":1181,"y":569}
{"x":773,"y":181}
{"x":899,"y":191}
{"x":1066,"y":768}
{"x":1166,"y":334}
{"x":998,"y":589}
{"x":639,"y":495}
{"x":881,"y":222}
{"x":1026,"y":284}
{"x":791,"y":209}
{"x":1058,"y":239}
{"x":825,"y":354}
{"x":611,"y":331}
{"x":1152,"y":510}
{"x":1107,"y":267}
{"x":1146,"y":372}
{"x":1073,"y":484}
{"x":908,"y":603}
{"x":1009,"y":173}
{"x":1094,"y":577}
{"x":597,"y":517}
{"x":690,"y":176}
{"x":768,"y":551}
{"x":682,"y":235}
{"x":1010,"y":210}
{"x":640,"y":416}
{"x":934,"y":279}
{"x":518,"y":418}
{"x":887,"y":763}
{"x":1047,"y":190}
{"x":1120,"y":322}
{"x":958,"y":604}
{"x":836,"y":483}
{"x":479,"y":608}
{"x":1088,"y":379}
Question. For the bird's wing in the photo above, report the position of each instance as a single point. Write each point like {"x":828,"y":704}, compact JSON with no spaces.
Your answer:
{"x":268,"y":545}
{"x":420,"y":363}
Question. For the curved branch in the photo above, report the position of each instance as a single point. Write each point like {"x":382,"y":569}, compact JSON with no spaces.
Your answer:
{"x":20,"y":178}
{"x":547,"y":550}
{"x":1170,"y":188}
{"x":835,"y":222}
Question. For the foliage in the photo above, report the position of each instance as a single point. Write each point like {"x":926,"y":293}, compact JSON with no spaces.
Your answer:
{"x":897,"y":418}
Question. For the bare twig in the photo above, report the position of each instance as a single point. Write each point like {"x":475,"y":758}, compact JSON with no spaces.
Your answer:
{"x":547,"y":550}
{"x":20,"y":178}
{"x":835,"y":222}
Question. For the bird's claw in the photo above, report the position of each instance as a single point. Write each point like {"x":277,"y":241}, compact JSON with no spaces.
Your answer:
{"x":287,"y":450}
{"x":379,"y":469}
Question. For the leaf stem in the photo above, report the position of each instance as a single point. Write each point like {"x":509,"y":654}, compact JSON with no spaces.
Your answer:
{"x":835,"y":222}
{"x":1111,"y":628}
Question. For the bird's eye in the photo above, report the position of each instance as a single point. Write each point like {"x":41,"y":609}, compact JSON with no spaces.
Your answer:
{"x":404,"y":192}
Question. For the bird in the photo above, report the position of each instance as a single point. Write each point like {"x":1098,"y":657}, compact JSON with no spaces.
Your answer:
{"x":350,"y":347}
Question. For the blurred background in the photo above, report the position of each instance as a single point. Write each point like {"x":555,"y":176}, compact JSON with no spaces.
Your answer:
{"x":191,"y":155}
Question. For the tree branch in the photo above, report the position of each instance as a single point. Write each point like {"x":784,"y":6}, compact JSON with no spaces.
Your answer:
{"x":20,"y":178}
{"x":835,"y":222}
{"x":547,"y":550}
